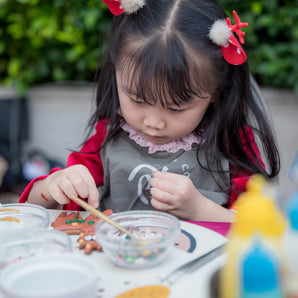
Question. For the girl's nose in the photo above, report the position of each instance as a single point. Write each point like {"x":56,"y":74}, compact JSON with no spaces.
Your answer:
{"x":154,"y":120}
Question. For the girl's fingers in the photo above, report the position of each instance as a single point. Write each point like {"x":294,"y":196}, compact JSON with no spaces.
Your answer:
{"x":172,"y":177}
{"x":92,"y":191}
{"x":158,"y":205}
{"x":93,"y":197}
{"x":163,"y":185}
{"x":67,"y":186}
{"x":57,"y":193}
{"x":77,"y":181}
{"x":161,"y":196}
{"x":79,"y":187}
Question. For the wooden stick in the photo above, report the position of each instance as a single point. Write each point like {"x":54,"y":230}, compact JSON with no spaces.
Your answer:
{"x":99,"y":214}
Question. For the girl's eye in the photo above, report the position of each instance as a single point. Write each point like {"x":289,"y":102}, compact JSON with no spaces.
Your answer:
{"x":175,"y":110}
{"x":138,"y":102}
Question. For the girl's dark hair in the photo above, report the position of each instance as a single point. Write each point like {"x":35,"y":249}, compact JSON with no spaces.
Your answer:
{"x":165,"y":50}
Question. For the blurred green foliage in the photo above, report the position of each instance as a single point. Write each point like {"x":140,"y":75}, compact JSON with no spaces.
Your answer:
{"x":271,"y":40}
{"x":51,"y":40}
{"x":58,"y":40}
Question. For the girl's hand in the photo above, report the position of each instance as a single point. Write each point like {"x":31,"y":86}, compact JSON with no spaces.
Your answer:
{"x":75,"y":180}
{"x":175,"y":194}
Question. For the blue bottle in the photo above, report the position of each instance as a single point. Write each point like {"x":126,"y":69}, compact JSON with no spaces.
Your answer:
{"x":259,"y":270}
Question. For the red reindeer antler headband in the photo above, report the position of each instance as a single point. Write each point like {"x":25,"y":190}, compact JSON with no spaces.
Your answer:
{"x":221,"y":33}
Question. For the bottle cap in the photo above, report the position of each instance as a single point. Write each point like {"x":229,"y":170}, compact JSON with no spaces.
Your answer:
{"x":257,"y":211}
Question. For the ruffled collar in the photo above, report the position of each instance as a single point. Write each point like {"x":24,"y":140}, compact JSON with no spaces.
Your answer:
{"x":185,"y":143}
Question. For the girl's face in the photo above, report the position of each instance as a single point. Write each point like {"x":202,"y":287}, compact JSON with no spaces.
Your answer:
{"x":158,"y":124}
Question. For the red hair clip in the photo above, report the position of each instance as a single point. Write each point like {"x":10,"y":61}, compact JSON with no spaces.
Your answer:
{"x":221,"y":33}
{"x":117,"y":7}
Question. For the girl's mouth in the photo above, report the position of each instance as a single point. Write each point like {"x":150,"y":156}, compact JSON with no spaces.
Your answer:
{"x":156,"y":139}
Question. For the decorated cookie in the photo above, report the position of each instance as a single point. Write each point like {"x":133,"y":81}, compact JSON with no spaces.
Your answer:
{"x":68,"y":223}
{"x":147,"y":292}
{"x":73,"y":224}
{"x":86,"y":225}
{"x":88,"y":243}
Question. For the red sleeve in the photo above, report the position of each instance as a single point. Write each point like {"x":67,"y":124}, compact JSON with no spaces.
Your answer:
{"x":238,"y":183}
{"x":88,"y":156}
{"x":28,"y":188}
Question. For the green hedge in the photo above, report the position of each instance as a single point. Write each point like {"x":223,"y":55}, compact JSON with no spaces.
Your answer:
{"x":58,"y":40}
{"x":51,"y":40}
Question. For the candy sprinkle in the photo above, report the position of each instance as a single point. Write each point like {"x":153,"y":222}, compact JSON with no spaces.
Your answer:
{"x":146,"y":292}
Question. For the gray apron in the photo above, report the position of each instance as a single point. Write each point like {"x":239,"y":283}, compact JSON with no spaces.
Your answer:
{"x":128,"y":169}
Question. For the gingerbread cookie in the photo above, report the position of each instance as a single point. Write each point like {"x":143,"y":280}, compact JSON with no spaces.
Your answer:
{"x":88,"y":243}
{"x":73,"y":224}
{"x":68,"y":223}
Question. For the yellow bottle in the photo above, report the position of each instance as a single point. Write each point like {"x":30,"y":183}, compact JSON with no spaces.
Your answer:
{"x":257,"y":215}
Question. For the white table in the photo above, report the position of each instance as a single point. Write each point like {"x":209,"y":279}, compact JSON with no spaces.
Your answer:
{"x":115,"y":280}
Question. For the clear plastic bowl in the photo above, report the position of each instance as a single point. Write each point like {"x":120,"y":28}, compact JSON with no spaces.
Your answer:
{"x":21,"y":244}
{"x":155,"y":234}
{"x":50,"y":276}
{"x":23,"y":216}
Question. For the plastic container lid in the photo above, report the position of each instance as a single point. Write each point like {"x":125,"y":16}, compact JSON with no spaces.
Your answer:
{"x":50,"y":276}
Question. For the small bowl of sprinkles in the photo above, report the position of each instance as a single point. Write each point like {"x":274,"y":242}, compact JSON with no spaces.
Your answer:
{"x":23,"y":216}
{"x":24,"y":243}
{"x":154,"y":235}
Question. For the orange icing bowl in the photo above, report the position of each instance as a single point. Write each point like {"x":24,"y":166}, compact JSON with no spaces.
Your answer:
{"x":14,"y":216}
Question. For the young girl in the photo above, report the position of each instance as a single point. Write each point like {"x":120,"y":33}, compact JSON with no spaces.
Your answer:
{"x":175,"y":120}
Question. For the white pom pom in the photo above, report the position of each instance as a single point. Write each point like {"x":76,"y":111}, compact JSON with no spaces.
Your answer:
{"x":220,"y":32}
{"x":131,"y":6}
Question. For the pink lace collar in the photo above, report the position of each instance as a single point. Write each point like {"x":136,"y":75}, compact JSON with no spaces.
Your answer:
{"x":184,"y":143}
